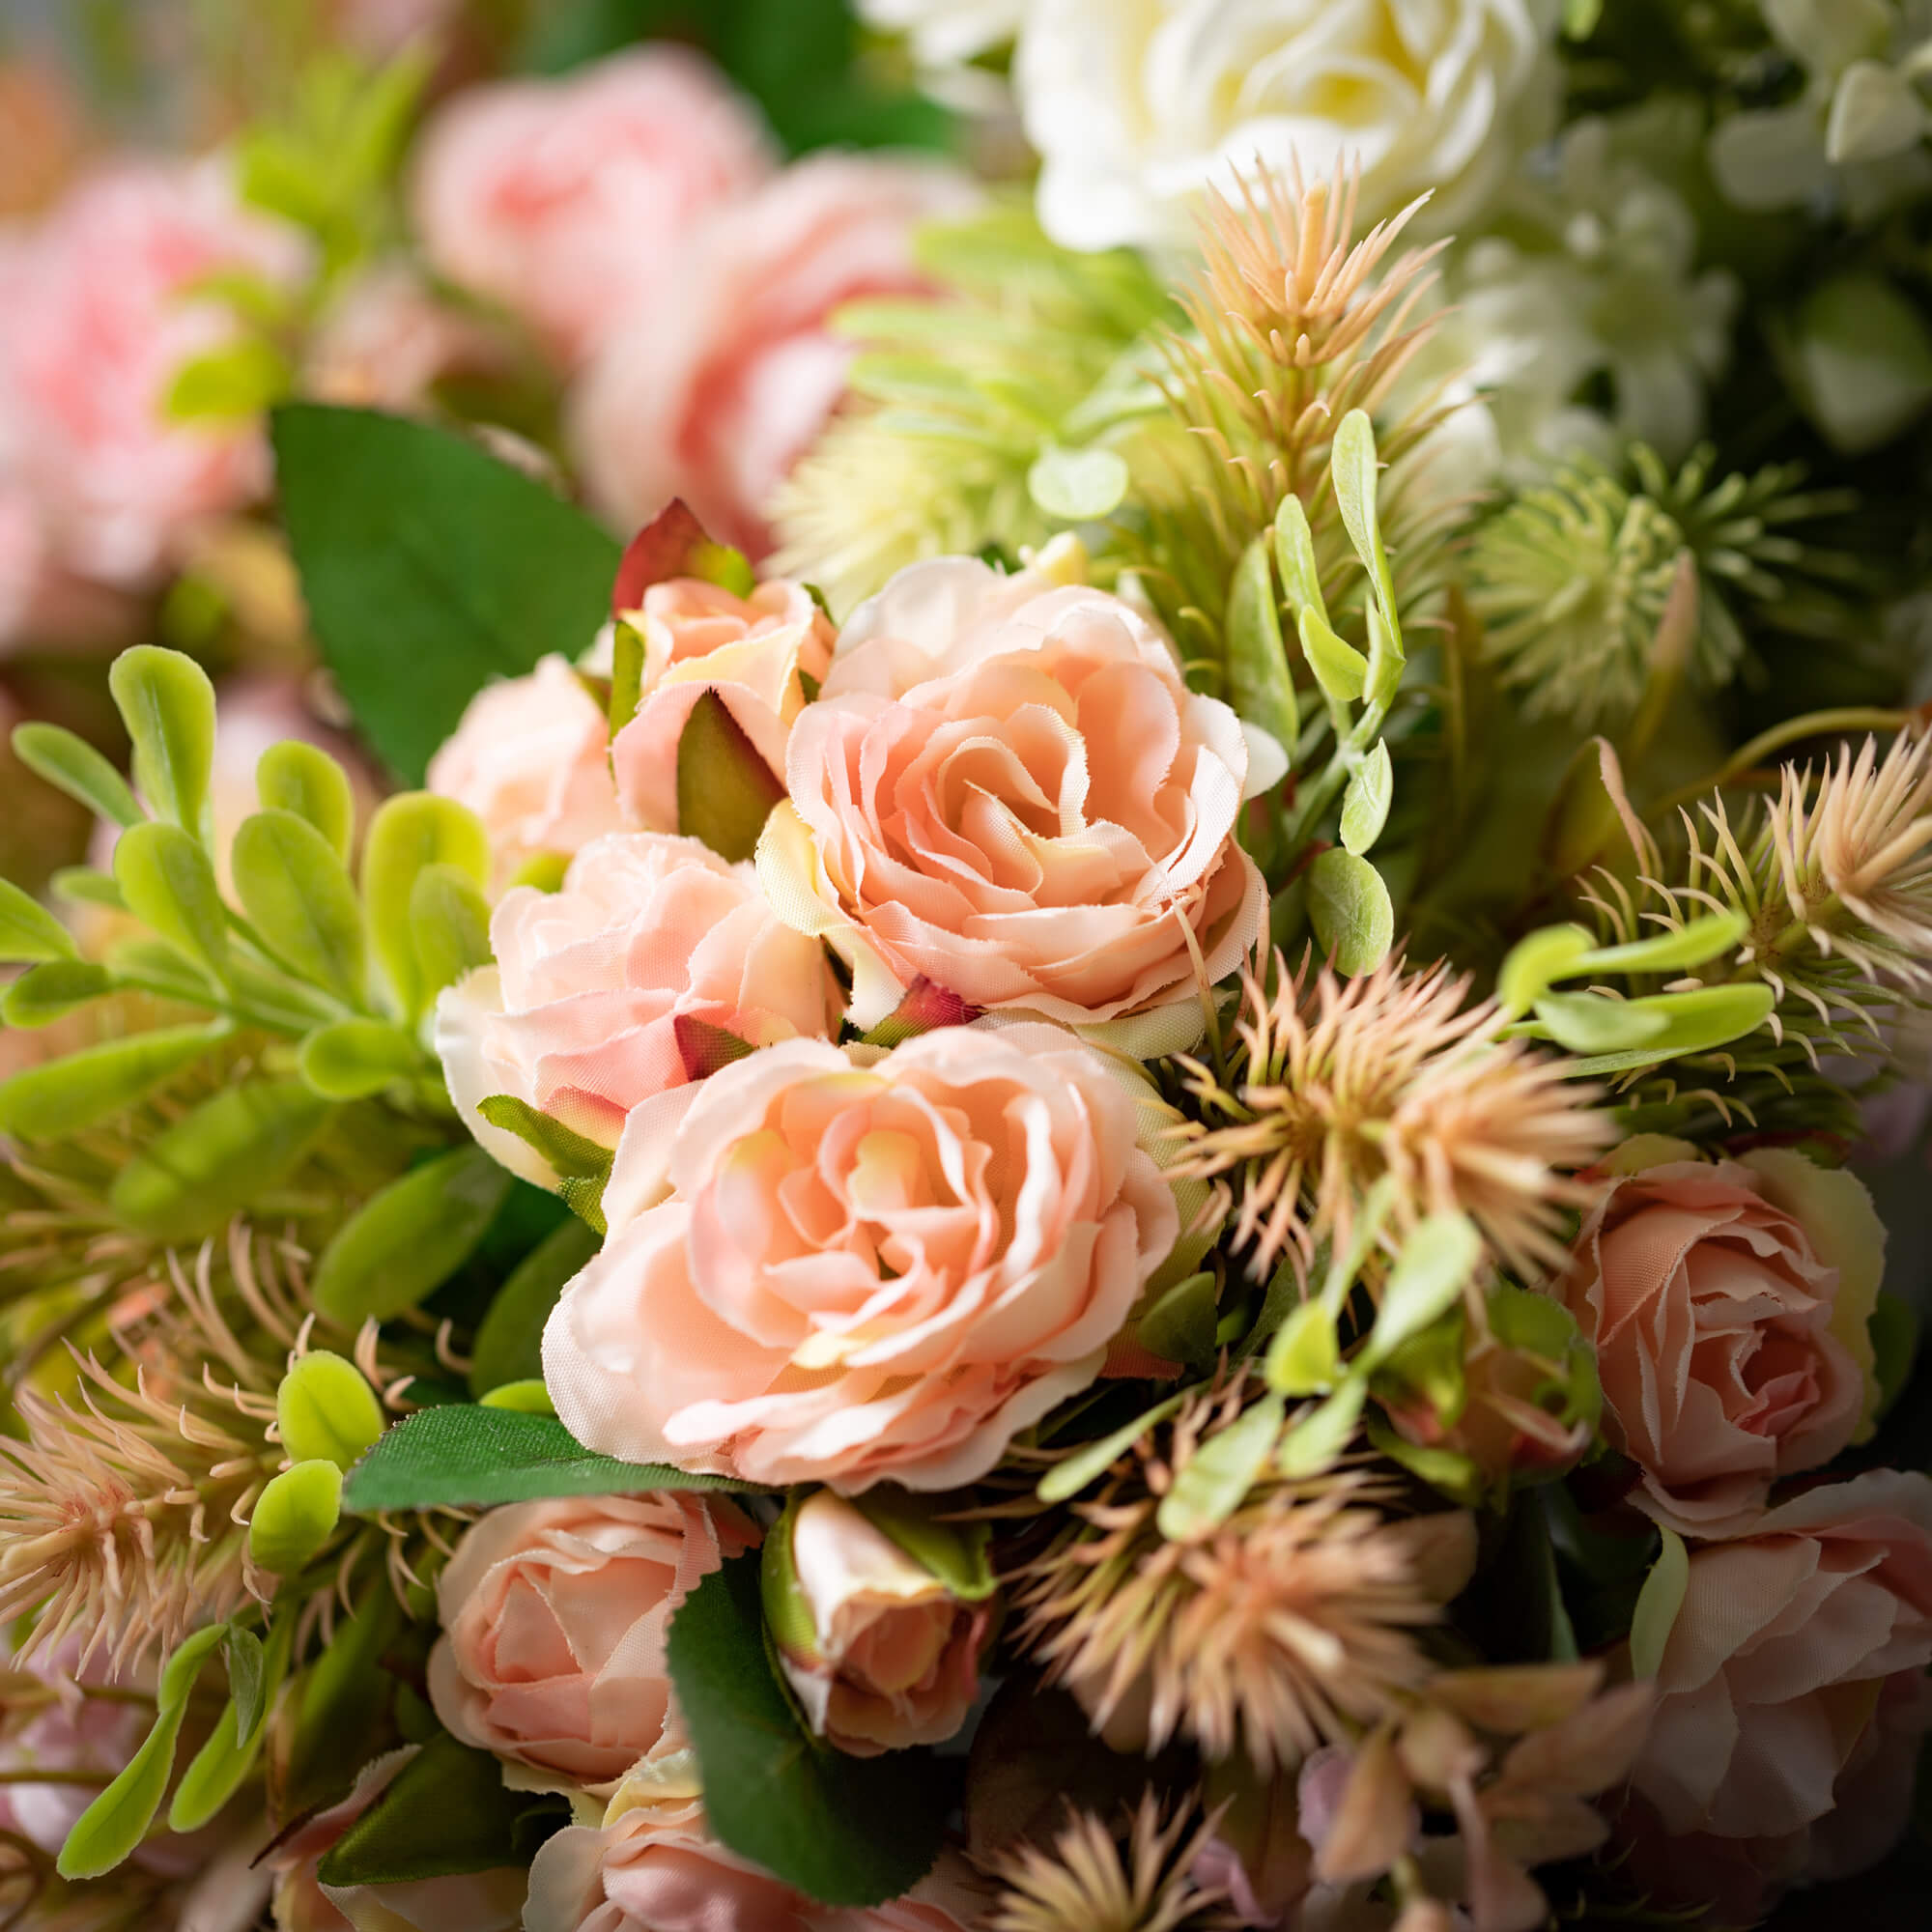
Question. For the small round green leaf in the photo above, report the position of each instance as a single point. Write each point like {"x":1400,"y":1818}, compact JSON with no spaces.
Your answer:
{"x":1365,"y":805}
{"x":295,"y":890}
{"x":304,"y":780}
{"x":1349,"y":906}
{"x":1305,"y":1356}
{"x":326,"y":1410}
{"x":1340,"y":668}
{"x":168,"y":703}
{"x":528,"y":1397}
{"x":1077,"y":486}
{"x":1220,"y":1472}
{"x":29,"y":933}
{"x":350,"y":1058}
{"x":449,"y":922}
{"x":167,"y":880}
{"x":1438,"y":1255}
{"x":294,"y":1516}
{"x":408,"y":832}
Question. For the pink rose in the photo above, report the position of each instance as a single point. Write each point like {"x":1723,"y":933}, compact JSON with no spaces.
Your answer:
{"x":581,"y":1014}
{"x":880,"y":1652}
{"x":553,"y":1617}
{"x":751,"y":651}
{"x":95,"y":319}
{"x":42,"y":603}
{"x":569,"y":201}
{"x":1007,"y":790}
{"x":387,"y":340}
{"x":532,"y":759}
{"x":1728,"y":1305}
{"x":714,"y":396}
{"x":1792,"y":1696}
{"x":864,"y":1271}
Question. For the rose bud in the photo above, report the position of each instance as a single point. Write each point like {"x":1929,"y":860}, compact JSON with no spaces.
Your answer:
{"x":882,"y":1649}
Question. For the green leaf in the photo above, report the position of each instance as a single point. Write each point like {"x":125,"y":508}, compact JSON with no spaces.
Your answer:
{"x":1077,"y":486}
{"x":29,"y":933}
{"x":304,"y":780}
{"x":429,"y":567}
{"x":118,"y":1820}
{"x":406,"y":1242}
{"x":843,"y":1830}
{"x":1659,"y":1027}
{"x":1090,"y":1461}
{"x":1438,"y":1256}
{"x":627,"y":674}
{"x":83,"y":885}
{"x":582,"y":1166}
{"x":167,"y":880}
{"x":161,"y":969}
{"x":1179,"y":1326}
{"x":1353,"y":465}
{"x":449,"y":926}
{"x":1535,"y":962}
{"x":1316,"y":1440}
{"x":528,"y":1397}
{"x":294,"y":1516}
{"x":1598,"y":1022}
{"x":446,"y":1813}
{"x":43,"y":994}
{"x":216,"y":1160}
{"x":218,"y":1770}
{"x":296,"y":893}
{"x":409,"y":834}
{"x":725,"y":789}
{"x":1350,"y":908}
{"x":74,"y":766}
{"x":326,"y":1410}
{"x":350,"y":1058}
{"x":247,"y":1674}
{"x":62,"y":1097}
{"x":1260,"y":685}
{"x":1581,"y":17}
{"x":469,"y":1457}
{"x":1693,"y":944}
{"x":1294,"y":558}
{"x":1340,"y":668}
{"x":509,"y":1342}
{"x":959,"y":1553}
{"x":1365,"y":805}
{"x":341,"y":1703}
{"x":168,"y":705}
{"x":1305,"y":1356}
{"x":1658,"y":1604}
{"x":230,"y":383}
{"x":1215,"y":1479}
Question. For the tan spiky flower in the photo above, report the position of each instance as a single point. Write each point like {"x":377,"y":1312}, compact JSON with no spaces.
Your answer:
{"x":1092,"y":1881}
{"x":1854,"y":852}
{"x":1339,"y":1084}
{"x":1291,"y":1623}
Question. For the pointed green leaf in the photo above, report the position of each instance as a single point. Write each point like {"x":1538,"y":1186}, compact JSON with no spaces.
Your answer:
{"x":1657,"y":1603}
{"x":1294,"y":558}
{"x":29,"y":933}
{"x":528,"y":1397}
{"x":1259,"y":684}
{"x":229,"y":385}
{"x":1349,"y":906}
{"x":1092,"y":1460}
{"x":509,"y":1342}
{"x":449,"y":924}
{"x":216,"y":1160}
{"x":294,"y":1516}
{"x":167,"y":879}
{"x":1353,"y":465}
{"x":409,"y":833}
{"x":1696,"y":943}
{"x":83,"y":885}
{"x":161,"y":970}
{"x":247,"y":1673}
{"x":62,"y":1097}
{"x":582,"y":1167}
{"x":959,"y":1553}
{"x":464,"y":1456}
{"x":349,"y":1060}
{"x":1179,"y":1326}
{"x":406,"y":1242}
{"x":1340,"y":668}
{"x":1318,"y":1438}
{"x":1215,"y":1480}
{"x":296,"y":893}
{"x":1535,"y":962}
{"x":326,"y":1410}
{"x":43,"y":994}
{"x":1365,"y":805}
{"x":627,"y":673}
{"x":74,"y":766}
{"x":1438,"y":1255}
{"x":219,"y":1769}
{"x":168,"y":703}
{"x":1305,"y":1356}
{"x":304,"y":780}
{"x":725,"y":789}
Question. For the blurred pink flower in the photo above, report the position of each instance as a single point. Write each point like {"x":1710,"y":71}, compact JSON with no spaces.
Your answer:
{"x":389,"y":340}
{"x":568,"y":201}
{"x":715,"y":395}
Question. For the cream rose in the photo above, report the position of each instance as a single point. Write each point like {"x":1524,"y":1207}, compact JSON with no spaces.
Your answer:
{"x":879,"y":1650}
{"x":571,"y":201}
{"x":714,"y":396}
{"x":752,"y":652}
{"x":554,"y":1615}
{"x":864,"y":1271}
{"x":580,"y":1015}
{"x":1006,"y":789}
{"x":1135,"y":105}
{"x":1729,"y":1307}
{"x":1797,"y":1652}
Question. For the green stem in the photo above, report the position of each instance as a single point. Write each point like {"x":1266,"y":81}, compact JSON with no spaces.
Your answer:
{"x":1813,"y":724}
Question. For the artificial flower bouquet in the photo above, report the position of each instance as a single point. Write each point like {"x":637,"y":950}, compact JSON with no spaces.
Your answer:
{"x":1095,"y":1166}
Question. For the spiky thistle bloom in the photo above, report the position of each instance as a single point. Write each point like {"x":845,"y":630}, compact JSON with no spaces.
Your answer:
{"x":1293,"y":1622}
{"x":1091,"y":1881}
{"x":1339,"y":1084}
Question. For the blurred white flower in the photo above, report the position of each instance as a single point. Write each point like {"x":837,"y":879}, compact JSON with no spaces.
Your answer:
{"x":944,"y":30}
{"x":1136,"y":104}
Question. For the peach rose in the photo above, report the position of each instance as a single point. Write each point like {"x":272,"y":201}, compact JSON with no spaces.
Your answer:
{"x":580,"y":1015}
{"x":879,"y":1650}
{"x":1792,"y":1680}
{"x":1729,"y":1307}
{"x":714,"y":396}
{"x":751,"y":651}
{"x":532,"y":759}
{"x":95,"y":319}
{"x":864,"y":1271}
{"x":1007,"y":790}
{"x":569,"y":201}
{"x":553,"y":1622}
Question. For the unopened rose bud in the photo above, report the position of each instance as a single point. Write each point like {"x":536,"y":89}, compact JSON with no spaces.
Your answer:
{"x":882,"y":1651}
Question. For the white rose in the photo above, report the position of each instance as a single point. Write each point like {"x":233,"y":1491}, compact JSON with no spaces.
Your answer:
{"x":1135,"y":104}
